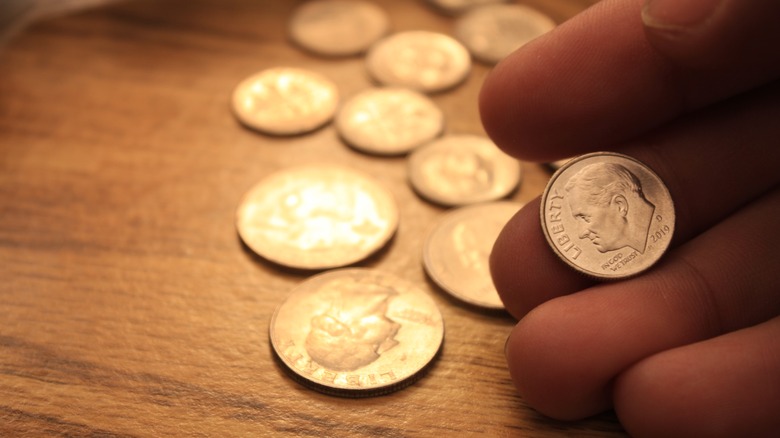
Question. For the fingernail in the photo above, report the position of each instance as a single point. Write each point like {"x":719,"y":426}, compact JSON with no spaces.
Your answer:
{"x":506,"y":344}
{"x":678,"y":13}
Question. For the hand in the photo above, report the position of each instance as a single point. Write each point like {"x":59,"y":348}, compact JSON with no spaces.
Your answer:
{"x":692,"y":89}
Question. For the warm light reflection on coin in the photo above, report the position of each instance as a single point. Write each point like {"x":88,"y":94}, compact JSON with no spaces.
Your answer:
{"x":462,"y":169}
{"x":337,"y":27}
{"x":389,"y":121}
{"x":607,"y":215}
{"x":492,"y":32}
{"x":456,"y":252}
{"x":356,"y":332}
{"x":421,"y":60}
{"x":285,"y":101}
{"x":317,"y":217}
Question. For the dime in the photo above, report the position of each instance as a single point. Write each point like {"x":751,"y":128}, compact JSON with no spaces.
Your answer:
{"x":607,"y":215}
{"x":456,"y":252}
{"x":356,"y":332}
{"x":421,"y":60}
{"x":389,"y":121}
{"x":337,"y":27}
{"x":462,"y":169}
{"x":285,"y":101}
{"x":493,"y":31}
{"x":316,"y":217}
{"x":457,"y":7}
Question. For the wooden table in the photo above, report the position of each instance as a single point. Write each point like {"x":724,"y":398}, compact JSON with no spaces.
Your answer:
{"x":128,"y":304}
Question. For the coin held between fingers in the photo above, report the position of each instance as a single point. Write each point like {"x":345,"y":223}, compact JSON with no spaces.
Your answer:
{"x":607,"y":215}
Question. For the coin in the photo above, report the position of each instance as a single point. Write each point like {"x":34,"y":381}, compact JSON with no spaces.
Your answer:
{"x":456,"y":252}
{"x":389,"y":121}
{"x":607,"y":215}
{"x":461,"y":169}
{"x":493,"y":31}
{"x":457,"y":7}
{"x":356,"y":332}
{"x":421,"y":60}
{"x":337,"y":27}
{"x":316,"y":217}
{"x":285,"y":101}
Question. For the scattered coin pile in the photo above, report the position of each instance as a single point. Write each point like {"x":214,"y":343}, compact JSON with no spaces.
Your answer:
{"x":362,"y":332}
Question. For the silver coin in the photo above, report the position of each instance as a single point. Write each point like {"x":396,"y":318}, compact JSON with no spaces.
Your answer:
{"x":457,"y":7}
{"x":492,"y":32}
{"x":317,"y":217}
{"x":285,"y":101}
{"x":389,"y":121}
{"x":457,"y":251}
{"x":458,"y":170}
{"x":357,"y":332}
{"x":421,"y":60}
{"x":607,"y":215}
{"x":337,"y":27}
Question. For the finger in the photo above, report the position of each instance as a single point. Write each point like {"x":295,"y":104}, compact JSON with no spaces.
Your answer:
{"x":712,"y":163}
{"x":564,"y":354}
{"x":603,"y":77}
{"x":724,"y":387}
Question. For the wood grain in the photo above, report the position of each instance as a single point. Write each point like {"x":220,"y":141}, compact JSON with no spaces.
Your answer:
{"x":129,"y":306}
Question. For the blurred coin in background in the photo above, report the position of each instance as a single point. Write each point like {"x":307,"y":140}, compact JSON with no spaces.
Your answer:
{"x":317,"y":217}
{"x":456,"y":252}
{"x":337,"y":27}
{"x":493,"y":31}
{"x":421,"y":60}
{"x":457,"y":7}
{"x":389,"y":121}
{"x":285,"y":101}
{"x":460,"y":169}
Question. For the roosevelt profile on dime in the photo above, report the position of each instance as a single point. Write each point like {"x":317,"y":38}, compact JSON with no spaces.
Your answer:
{"x":610,"y":207}
{"x":607,"y":215}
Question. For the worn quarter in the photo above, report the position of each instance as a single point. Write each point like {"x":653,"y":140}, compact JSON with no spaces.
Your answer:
{"x":461,"y":169}
{"x":421,"y":60}
{"x":607,"y":215}
{"x":285,"y":101}
{"x":356,"y":332}
{"x":337,"y":27}
{"x":317,"y":217}
{"x":457,"y":251}
{"x":493,"y":31}
{"x":389,"y":121}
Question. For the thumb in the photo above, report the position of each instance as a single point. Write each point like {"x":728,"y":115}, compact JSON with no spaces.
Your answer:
{"x":719,"y":47}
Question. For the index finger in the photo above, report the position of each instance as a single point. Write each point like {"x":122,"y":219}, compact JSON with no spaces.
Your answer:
{"x":605,"y":76}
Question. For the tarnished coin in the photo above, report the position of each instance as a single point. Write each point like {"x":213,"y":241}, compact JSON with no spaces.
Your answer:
{"x":356,"y":332}
{"x":389,"y":121}
{"x":493,"y":31}
{"x":456,"y":252}
{"x":337,"y":27}
{"x":317,"y":217}
{"x":285,"y":101}
{"x":457,"y":7}
{"x":421,"y":60}
{"x":607,"y":215}
{"x":462,"y":169}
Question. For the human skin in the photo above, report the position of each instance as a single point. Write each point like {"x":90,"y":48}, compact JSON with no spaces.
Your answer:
{"x":692,"y":89}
